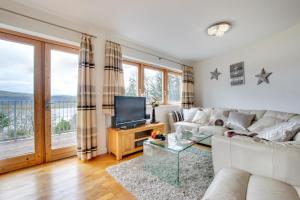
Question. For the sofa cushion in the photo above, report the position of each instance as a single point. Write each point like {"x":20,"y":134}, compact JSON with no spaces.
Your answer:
{"x":229,"y":184}
{"x":295,"y":118}
{"x":239,"y":121}
{"x":214,"y":130}
{"x":258,"y":113}
{"x":262,"y":188}
{"x":297,"y":137}
{"x":201,"y":117}
{"x":188,"y":114}
{"x":177,"y":116}
{"x":281,"y":132}
{"x":263,"y":123}
{"x":207,"y":110}
{"x":279,"y":115}
{"x":219,"y":114}
{"x":187,"y":125}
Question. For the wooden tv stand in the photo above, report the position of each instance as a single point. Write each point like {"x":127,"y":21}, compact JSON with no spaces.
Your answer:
{"x":123,"y":142}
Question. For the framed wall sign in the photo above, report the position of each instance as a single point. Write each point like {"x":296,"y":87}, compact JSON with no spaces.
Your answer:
{"x":237,"y":74}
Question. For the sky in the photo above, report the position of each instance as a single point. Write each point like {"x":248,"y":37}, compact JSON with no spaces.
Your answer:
{"x":17,"y":69}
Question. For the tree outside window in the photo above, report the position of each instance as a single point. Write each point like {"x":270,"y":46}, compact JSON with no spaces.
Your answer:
{"x":130,"y":79}
{"x":153,"y":83}
{"x":174,"y":88}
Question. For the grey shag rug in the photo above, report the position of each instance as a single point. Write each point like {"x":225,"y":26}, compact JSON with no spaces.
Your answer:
{"x":195,"y":177}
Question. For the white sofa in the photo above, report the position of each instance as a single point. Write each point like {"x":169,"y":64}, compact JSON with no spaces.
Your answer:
{"x":251,"y":168}
{"x":254,"y":170}
{"x":219,"y":130}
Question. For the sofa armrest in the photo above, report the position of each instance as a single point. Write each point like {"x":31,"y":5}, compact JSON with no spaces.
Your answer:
{"x":280,"y":161}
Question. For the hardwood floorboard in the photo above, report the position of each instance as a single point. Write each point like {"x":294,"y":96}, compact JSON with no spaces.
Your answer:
{"x":67,"y":179}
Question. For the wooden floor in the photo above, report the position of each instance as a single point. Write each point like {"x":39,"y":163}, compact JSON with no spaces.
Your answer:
{"x":66,"y":179}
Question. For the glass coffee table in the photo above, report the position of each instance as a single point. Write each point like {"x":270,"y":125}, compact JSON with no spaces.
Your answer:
{"x":163,"y":161}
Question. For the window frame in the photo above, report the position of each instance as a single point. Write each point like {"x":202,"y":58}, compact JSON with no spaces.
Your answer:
{"x":165,"y":71}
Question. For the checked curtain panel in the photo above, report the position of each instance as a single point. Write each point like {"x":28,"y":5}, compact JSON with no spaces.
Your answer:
{"x":86,"y":102}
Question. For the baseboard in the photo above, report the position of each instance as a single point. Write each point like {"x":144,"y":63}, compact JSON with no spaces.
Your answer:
{"x":102,"y":150}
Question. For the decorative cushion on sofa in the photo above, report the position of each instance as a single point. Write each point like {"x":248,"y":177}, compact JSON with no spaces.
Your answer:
{"x":258,"y":113}
{"x":177,"y":116}
{"x":279,"y":115}
{"x":201,"y":117}
{"x":297,"y":137}
{"x":295,"y":118}
{"x":208,"y":110}
{"x":239,"y":121}
{"x":219,"y":114}
{"x":263,"y":123}
{"x":188,"y":114}
{"x":281,"y":132}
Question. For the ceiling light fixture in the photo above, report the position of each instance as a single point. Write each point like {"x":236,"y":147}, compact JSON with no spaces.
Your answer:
{"x":218,"y":29}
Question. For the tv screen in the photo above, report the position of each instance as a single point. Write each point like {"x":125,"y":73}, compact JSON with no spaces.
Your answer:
{"x":129,"y":109}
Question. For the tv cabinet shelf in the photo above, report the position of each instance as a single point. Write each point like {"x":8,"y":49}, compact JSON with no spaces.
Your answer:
{"x":144,"y":138}
{"x":124,"y":142}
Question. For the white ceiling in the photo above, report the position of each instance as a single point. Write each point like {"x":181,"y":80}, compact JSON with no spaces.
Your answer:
{"x":177,"y":27}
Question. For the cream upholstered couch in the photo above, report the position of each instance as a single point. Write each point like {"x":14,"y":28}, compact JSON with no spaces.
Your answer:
{"x":251,"y":168}
{"x":254,"y":170}
{"x":274,"y":117}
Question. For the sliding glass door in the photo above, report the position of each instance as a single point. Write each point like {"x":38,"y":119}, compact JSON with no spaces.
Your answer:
{"x":61,"y":91}
{"x":21,"y":106}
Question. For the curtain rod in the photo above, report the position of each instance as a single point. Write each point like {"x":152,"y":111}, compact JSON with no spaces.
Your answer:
{"x":76,"y":31}
{"x":145,"y":52}
{"x":45,"y":22}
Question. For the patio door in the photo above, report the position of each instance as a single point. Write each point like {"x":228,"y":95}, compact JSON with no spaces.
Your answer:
{"x":61,"y":71}
{"x":21,"y":103}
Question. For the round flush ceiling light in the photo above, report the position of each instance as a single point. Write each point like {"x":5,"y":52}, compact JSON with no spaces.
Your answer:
{"x":218,"y":29}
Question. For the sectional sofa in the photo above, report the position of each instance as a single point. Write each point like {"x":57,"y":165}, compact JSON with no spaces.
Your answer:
{"x":252,"y":168}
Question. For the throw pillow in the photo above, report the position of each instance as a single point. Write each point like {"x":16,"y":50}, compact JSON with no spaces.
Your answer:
{"x":282,"y":132}
{"x":297,"y":137}
{"x":177,"y":116}
{"x":201,"y":117}
{"x":239,"y":121}
{"x":218,"y":115}
{"x":188,"y":114}
{"x":263,"y":123}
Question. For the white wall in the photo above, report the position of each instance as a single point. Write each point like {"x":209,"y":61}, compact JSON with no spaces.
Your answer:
{"x":279,"y":54}
{"x":21,"y":24}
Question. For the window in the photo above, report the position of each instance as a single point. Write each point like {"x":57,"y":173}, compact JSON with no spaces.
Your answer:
{"x":130,"y":79}
{"x":174,"y":87}
{"x":151,"y":81}
{"x":153,"y":84}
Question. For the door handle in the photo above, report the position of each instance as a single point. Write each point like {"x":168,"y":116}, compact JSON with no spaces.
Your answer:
{"x":48,"y":105}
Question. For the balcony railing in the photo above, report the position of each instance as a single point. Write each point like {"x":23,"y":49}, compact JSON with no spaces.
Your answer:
{"x":17,"y":118}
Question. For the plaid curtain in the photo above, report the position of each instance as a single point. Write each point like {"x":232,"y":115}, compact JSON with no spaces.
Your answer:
{"x":86,"y":102}
{"x":113,"y":76}
{"x":187,"y":87}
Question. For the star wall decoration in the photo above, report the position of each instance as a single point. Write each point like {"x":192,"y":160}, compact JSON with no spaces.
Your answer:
{"x":215,"y":74}
{"x":263,"y":76}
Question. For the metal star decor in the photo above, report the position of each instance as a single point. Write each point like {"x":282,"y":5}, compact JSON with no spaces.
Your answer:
{"x":215,"y":74}
{"x":263,"y":77}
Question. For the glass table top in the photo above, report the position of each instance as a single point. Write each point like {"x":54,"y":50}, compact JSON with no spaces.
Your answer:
{"x":178,"y":145}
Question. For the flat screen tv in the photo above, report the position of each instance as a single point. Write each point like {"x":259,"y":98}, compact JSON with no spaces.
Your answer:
{"x":129,"y":111}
